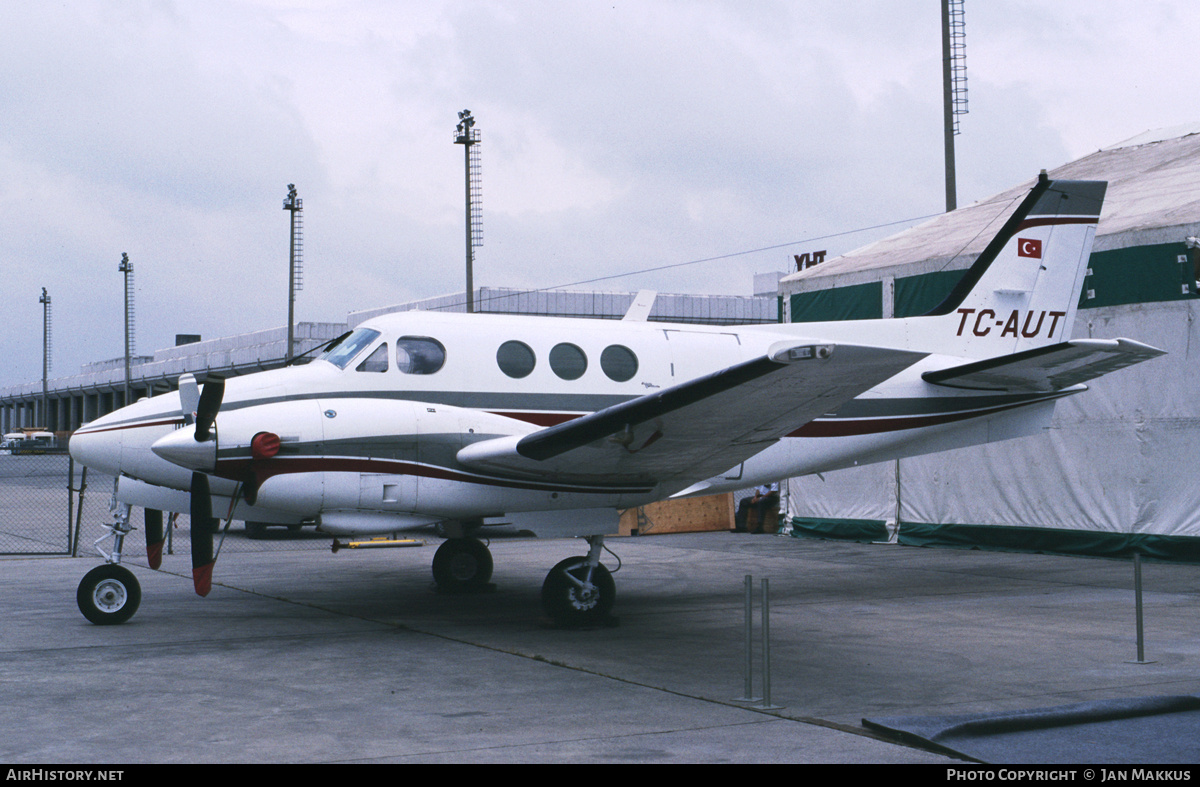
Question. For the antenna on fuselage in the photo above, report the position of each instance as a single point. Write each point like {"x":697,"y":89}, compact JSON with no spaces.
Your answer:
{"x":639,"y":310}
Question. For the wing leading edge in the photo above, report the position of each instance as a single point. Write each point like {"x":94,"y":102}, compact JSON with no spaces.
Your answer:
{"x":696,"y":429}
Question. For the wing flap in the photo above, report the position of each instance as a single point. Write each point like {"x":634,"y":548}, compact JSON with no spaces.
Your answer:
{"x":1049,"y":368}
{"x":698,"y":428}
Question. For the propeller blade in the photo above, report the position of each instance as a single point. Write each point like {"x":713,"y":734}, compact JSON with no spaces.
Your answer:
{"x":207,"y":407}
{"x":202,"y":534}
{"x":154,"y":537}
{"x":189,"y":397}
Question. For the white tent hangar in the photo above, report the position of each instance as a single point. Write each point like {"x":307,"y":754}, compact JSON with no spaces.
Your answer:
{"x":1117,"y":469}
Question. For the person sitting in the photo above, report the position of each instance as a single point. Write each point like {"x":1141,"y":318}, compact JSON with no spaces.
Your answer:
{"x":761,"y":504}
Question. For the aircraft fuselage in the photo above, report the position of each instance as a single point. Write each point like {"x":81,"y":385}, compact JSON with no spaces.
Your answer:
{"x":376,"y":431}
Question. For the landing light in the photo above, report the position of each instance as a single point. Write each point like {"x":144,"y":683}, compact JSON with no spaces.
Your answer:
{"x":809,"y":351}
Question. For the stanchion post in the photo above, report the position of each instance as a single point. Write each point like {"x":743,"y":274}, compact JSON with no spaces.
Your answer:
{"x":1137,"y":584}
{"x":1137,"y":603}
{"x":748,"y":690}
{"x":766,"y":646}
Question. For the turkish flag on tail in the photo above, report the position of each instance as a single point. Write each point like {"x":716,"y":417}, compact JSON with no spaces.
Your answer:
{"x":1029,"y":247}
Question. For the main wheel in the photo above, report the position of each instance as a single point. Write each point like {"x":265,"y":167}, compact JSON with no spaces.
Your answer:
{"x":462,"y":564}
{"x":569,"y":603}
{"x":108,"y":595}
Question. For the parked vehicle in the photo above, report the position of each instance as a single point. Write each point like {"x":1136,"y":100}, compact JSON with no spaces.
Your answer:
{"x":28,"y":443}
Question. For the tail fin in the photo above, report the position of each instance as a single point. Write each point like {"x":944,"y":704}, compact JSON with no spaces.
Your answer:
{"x":1023,"y":290}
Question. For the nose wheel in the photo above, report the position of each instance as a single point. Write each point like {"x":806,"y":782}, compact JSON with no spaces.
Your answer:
{"x":109,"y":595}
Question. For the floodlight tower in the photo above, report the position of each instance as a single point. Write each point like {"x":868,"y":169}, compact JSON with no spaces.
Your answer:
{"x":45,"y":301}
{"x":468,"y":136}
{"x":126,"y":268}
{"x":295,"y":260}
{"x":954,"y":85}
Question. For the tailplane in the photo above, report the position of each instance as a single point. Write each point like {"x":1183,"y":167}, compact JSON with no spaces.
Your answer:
{"x":1023,"y":290}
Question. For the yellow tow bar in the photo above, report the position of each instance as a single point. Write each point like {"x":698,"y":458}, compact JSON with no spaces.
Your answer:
{"x":378,"y":543}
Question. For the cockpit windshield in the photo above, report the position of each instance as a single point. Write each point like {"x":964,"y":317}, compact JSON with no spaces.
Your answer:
{"x":343,"y":352}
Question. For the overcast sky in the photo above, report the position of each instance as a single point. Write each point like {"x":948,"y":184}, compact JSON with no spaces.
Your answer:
{"x":617,"y":136}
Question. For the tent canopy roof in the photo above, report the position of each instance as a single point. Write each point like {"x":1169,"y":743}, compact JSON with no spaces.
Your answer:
{"x":1153,"y":197}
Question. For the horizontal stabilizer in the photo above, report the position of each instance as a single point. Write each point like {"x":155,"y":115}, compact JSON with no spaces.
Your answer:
{"x":1049,"y":368}
{"x":698,"y":428}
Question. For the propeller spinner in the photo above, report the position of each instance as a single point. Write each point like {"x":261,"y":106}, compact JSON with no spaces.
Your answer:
{"x":195,"y":448}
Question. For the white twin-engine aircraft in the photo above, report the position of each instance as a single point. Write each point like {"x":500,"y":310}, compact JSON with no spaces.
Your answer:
{"x":553,"y":425}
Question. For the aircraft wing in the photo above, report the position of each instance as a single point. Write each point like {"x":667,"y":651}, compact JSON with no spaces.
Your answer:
{"x":1049,"y":368}
{"x":699,"y":428}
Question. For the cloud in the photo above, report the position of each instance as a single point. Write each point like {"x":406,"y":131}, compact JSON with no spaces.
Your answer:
{"x":617,"y":136}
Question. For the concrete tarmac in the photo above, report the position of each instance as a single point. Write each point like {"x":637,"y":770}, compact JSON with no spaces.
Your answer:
{"x":302,"y":656}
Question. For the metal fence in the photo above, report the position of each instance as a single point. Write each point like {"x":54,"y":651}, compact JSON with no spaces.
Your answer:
{"x":49,"y":505}
{"x":35,"y":516}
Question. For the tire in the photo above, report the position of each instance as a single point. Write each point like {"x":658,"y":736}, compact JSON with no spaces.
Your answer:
{"x":569,"y":605}
{"x":256,"y":530}
{"x":462,"y":564}
{"x":108,"y":595}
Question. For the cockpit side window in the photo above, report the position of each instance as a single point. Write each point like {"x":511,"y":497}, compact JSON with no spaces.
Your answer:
{"x":377,"y":361}
{"x":342,"y":353}
{"x":419,"y":355}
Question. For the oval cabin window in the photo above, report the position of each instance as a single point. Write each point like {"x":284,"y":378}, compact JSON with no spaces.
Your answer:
{"x":619,"y":363}
{"x":568,"y":361}
{"x":515,"y":359}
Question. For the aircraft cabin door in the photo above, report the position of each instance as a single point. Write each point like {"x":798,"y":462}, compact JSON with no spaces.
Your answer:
{"x":696,"y":353}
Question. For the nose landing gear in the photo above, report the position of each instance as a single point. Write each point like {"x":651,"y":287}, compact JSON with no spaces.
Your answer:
{"x":110,"y":594}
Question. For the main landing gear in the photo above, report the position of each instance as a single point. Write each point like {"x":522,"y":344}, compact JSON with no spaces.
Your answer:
{"x":578,"y":591}
{"x":462,"y":565}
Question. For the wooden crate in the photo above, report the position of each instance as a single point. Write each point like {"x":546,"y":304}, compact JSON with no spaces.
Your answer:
{"x":689,"y":515}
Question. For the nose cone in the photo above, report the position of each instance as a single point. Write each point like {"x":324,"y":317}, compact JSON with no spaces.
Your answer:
{"x":180,"y":447}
